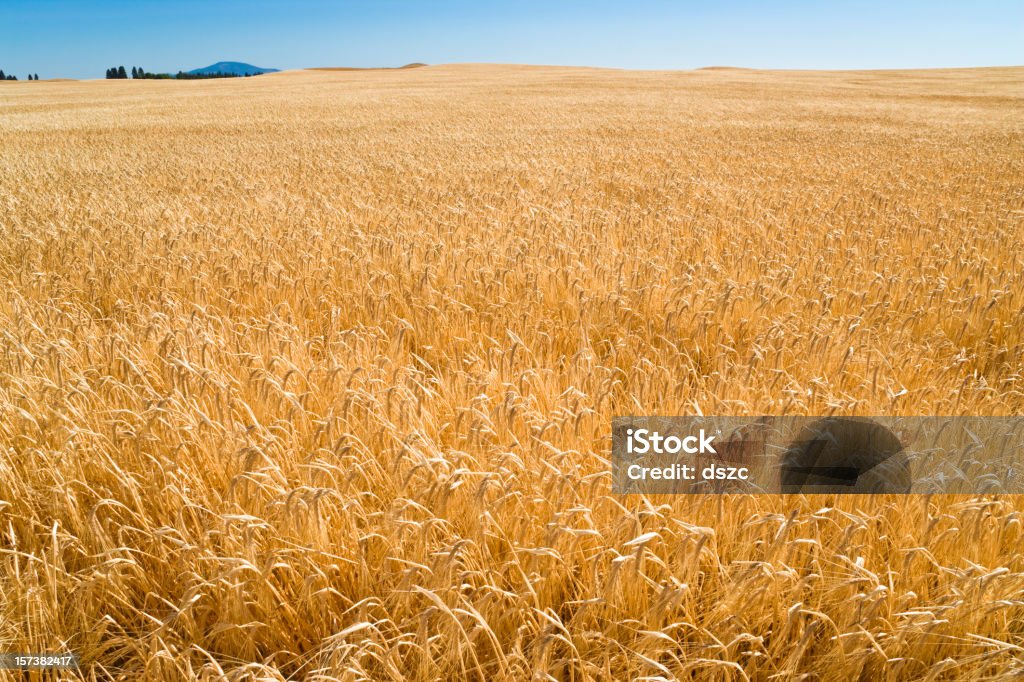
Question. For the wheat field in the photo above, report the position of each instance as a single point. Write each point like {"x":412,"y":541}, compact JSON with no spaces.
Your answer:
{"x":311,"y":375}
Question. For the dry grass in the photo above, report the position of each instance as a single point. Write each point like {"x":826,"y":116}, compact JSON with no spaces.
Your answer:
{"x":413,"y":65}
{"x":312,"y":374}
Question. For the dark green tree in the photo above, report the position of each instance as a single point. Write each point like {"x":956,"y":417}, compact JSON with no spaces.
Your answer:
{"x":121,"y":73}
{"x":3,"y":76}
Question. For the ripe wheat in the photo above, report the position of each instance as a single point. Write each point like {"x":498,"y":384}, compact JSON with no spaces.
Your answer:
{"x":311,"y":375}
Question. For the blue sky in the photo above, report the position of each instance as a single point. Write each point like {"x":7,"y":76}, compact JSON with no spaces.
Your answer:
{"x":80,"y":38}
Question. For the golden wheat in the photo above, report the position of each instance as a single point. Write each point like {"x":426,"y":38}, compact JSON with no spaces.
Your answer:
{"x":311,"y":375}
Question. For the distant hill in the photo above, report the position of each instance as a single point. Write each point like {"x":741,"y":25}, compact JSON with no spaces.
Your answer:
{"x":234,"y":68}
{"x":414,"y":65}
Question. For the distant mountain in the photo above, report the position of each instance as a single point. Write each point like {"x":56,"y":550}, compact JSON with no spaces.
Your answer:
{"x":234,"y":68}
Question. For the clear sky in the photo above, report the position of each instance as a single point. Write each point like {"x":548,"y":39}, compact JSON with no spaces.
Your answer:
{"x":81,"y":38}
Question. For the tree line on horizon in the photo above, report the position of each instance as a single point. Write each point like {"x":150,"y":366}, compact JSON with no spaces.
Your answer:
{"x":137,"y":72}
{"x":12,"y":77}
